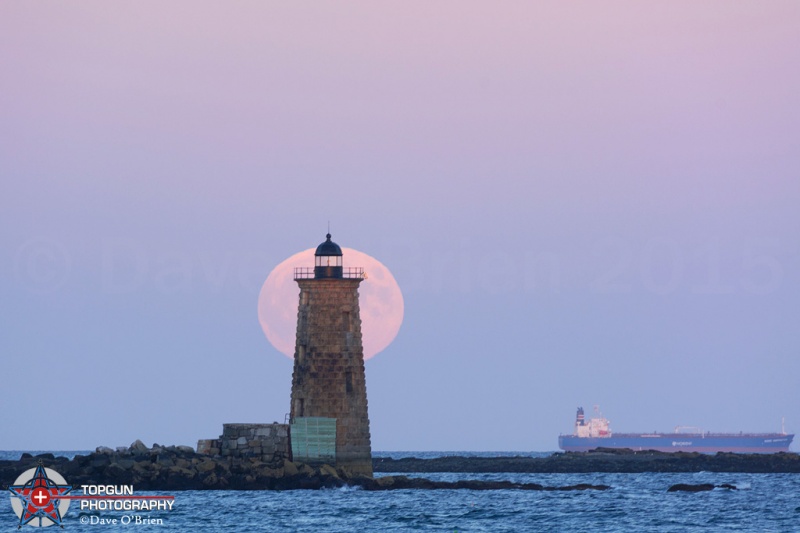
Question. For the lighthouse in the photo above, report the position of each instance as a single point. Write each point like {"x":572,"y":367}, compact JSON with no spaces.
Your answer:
{"x":329,"y":420}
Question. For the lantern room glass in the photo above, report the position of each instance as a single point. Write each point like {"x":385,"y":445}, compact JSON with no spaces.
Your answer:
{"x":328,"y":260}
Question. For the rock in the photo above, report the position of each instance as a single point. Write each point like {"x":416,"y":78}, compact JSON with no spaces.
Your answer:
{"x":290,"y":469}
{"x":268,"y":472}
{"x":127,"y":464}
{"x":118,"y":473}
{"x":104,"y":450}
{"x":142,"y":471}
{"x":188,"y":450}
{"x":360,"y":481}
{"x":138,"y":447}
{"x":164,"y":460}
{"x":99,"y":461}
{"x":181,"y":473}
{"x":206,"y":466}
{"x":612,"y":451}
{"x":385,"y":481}
{"x":584,"y":486}
{"x":43,"y":456}
{"x":682,"y":487}
{"x":328,"y":470}
{"x":308,"y":483}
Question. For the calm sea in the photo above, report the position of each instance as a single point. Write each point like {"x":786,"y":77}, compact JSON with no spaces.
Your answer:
{"x":636,"y":502}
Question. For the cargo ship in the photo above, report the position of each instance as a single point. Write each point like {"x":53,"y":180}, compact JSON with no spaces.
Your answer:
{"x":595,"y":433}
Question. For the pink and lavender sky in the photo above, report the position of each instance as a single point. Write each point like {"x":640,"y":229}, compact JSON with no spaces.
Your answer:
{"x":583,"y":203}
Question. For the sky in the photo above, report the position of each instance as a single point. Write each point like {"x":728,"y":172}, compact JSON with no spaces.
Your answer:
{"x":583,"y":203}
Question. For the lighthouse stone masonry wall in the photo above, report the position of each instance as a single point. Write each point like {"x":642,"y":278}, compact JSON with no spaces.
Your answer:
{"x":328,"y":379}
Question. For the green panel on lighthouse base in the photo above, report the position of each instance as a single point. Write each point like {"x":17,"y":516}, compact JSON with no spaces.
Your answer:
{"x":313,"y":440}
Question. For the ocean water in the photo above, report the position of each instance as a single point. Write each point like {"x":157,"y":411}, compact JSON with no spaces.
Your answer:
{"x":636,"y":502}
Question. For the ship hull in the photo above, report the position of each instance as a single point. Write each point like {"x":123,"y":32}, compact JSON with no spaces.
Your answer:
{"x":681,"y":442}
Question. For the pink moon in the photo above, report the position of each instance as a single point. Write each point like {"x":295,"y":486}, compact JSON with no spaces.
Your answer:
{"x":380,"y":302}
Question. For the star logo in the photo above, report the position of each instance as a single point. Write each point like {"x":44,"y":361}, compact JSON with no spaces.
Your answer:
{"x":36,"y":497}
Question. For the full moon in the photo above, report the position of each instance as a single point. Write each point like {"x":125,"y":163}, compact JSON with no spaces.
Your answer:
{"x":380,"y":302}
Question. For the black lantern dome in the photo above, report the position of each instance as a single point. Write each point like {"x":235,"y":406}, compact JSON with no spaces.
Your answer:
{"x":328,"y":260}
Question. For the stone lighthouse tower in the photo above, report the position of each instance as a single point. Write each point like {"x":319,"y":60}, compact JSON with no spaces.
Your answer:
{"x":329,"y":391}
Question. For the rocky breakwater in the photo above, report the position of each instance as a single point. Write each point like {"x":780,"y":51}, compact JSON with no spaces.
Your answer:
{"x":165,"y":468}
{"x":175,"y":468}
{"x":600,"y":460}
